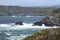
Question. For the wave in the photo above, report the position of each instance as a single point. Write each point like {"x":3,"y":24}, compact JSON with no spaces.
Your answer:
{"x":24,"y":26}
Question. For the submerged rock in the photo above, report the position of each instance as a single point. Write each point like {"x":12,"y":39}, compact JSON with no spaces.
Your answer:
{"x":19,"y":23}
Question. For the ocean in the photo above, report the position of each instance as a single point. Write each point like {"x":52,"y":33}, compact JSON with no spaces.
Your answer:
{"x":10,"y":31}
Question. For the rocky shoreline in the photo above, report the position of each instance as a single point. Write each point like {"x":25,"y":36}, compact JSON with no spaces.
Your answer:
{"x":46,"y":34}
{"x":47,"y":21}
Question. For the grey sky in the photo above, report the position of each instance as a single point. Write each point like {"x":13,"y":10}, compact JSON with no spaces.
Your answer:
{"x":30,"y":2}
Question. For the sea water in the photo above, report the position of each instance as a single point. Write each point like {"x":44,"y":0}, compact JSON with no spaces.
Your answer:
{"x":10,"y":31}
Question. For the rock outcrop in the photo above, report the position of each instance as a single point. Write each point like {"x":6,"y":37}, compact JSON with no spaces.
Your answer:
{"x":19,"y":23}
{"x":37,"y":24}
{"x":47,"y":21}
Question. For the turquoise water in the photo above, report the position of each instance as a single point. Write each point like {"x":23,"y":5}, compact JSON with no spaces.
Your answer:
{"x":17,"y":33}
{"x":10,"y":19}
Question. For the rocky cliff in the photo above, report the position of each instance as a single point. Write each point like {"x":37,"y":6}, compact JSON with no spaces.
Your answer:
{"x":47,"y":34}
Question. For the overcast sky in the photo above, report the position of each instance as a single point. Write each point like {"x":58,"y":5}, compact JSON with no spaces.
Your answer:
{"x":30,"y":2}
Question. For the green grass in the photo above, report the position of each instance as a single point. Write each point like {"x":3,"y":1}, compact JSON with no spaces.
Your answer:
{"x":43,"y":33}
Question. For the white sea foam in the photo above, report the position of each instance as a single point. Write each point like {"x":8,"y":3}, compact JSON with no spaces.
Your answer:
{"x":17,"y":37}
{"x":13,"y":16}
{"x":24,"y":26}
{"x":4,"y":25}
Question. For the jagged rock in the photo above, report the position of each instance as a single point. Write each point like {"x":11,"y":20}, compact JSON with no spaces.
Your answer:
{"x":45,"y":21}
{"x":37,"y":23}
{"x":19,"y":23}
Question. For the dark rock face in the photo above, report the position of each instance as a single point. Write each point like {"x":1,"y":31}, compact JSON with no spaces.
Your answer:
{"x":45,"y":21}
{"x":19,"y":23}
{"x":37,"y":23}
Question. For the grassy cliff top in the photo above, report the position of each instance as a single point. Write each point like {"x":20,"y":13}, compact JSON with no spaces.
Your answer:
{"x":47,"y":34}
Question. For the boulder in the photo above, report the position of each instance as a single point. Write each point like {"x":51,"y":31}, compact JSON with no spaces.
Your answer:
{"x":19,"y":23}
{"x":37,"y":24}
